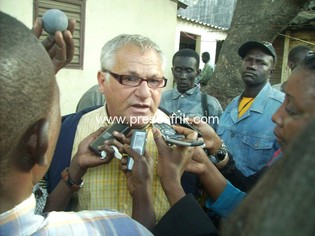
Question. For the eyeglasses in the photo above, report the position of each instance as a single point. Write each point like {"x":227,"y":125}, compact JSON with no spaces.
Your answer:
{"x":134,"y":81}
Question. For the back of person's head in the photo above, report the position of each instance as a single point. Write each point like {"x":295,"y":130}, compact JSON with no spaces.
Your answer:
{"x":187,"y":52}
{"x":296,"y":55}
{"x":282,"y":202}
{"x":308,"y":62}
{"x":27,"y":83}
{"x":205,"y":56}
{"x":112,"y":46}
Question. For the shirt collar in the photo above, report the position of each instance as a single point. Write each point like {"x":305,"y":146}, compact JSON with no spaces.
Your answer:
{"x":21,"y":220}
{"x":261,"y":99}
{"x":191,"y":91}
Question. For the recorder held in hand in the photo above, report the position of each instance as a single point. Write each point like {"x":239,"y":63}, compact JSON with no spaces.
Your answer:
{"x":107,"y":135}
{"x":137,"y":143}
{"x":172,"y":137}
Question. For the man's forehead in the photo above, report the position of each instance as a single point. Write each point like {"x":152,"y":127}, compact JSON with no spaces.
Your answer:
{"x":180,"y":60}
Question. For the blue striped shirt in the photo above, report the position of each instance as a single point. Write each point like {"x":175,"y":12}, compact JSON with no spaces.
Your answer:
{"x":21,"y":220}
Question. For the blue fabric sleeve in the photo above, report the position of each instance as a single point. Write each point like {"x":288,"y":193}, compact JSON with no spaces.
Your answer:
{"x":227,"y":201}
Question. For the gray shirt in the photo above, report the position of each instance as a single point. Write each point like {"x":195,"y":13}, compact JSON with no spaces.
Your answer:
{"x":188,"y":104}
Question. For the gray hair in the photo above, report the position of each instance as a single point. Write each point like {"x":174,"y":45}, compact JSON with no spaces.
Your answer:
{"x":110,"y":48}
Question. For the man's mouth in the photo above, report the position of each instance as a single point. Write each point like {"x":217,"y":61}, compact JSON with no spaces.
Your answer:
{"x":140,"y":107}
{"x":249,"y":74}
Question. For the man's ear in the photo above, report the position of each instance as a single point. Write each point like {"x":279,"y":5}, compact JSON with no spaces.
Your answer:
{"x":272,"y":70}
{"x":35,"y":145}
{"x":101,"y":77}
{"x":291,"y":65}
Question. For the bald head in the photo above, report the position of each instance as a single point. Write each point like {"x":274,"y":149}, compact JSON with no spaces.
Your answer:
{"x":27,"y":83}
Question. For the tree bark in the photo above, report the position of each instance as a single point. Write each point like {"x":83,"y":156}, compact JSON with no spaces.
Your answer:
{"x":252,"y":20}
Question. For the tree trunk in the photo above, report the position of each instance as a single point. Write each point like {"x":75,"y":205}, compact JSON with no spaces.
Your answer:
{"x":252,"y":20}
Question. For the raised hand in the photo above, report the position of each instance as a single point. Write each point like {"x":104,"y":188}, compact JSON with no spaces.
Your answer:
{"x":60,"y":46}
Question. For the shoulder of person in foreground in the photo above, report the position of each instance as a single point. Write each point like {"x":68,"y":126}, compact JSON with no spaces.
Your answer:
{"x":186,"y":217}
{"x":282,"y":202}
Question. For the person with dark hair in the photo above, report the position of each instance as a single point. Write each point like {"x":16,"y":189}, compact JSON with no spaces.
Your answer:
{"x":186,"y":100}
{"x":207,"y":71}
{"x":291,"y":117}
{"x":273,"y":206}
{"x":296,"y":55}
{"x":282,"y":203}
{"x":30,"y":124}
{"x":246,"y":126}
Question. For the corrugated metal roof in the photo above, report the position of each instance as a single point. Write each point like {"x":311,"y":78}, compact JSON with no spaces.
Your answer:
{"x":201,"y":23}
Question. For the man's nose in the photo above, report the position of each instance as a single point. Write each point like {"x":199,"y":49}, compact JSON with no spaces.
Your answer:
{"x":252,"y":65}
{"x":143,"y":90}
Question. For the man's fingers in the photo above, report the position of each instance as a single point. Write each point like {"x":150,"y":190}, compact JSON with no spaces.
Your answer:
{"x":136,"y":156}
{"x":37,"y":27}
{"x":159,"y":141}
{"x":49,"y":42}
{"x":189,"y":133}
{"x":60,"y":52}
{"x":71,"y":25}
{"x":68,"y":38}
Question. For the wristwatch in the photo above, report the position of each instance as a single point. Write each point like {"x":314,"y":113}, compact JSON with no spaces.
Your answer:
{"x":66,"y":177}
{"x":220,"y":155}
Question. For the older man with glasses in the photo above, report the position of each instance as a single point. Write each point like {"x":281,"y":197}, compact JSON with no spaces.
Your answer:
{"x":131,"y":78}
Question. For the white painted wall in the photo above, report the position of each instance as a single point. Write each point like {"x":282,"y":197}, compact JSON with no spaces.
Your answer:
{"x":104,"y":20}
{"x":207,"y":37}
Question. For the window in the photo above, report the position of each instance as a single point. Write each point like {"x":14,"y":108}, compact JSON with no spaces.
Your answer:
{"x":73,"y":9}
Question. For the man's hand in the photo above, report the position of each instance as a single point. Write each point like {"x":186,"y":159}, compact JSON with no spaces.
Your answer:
{"x":211,"y":139}
{"x":172,"y":163}
{"x":199,"y":162}
{"x":141,"y":175}
{"x":173,"y":159}
{"x":60,"y":46}
{"x":85,"y":158}
{"x":140,"y":184}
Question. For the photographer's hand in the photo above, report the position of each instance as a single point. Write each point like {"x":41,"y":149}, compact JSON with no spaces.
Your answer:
{"x":140,"y":183}
{"x":211,"y":139}
{"x":172,"y":162}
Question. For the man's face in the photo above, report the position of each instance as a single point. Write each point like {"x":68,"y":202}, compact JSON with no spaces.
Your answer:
{"x":257,"y":67}
{"x":135,"y":104}
{"x":204,"y":59}
{"x":185,"y":71}
{"x":297,"y":108}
